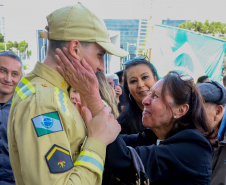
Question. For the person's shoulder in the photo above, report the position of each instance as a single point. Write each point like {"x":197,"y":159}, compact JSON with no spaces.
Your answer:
{"x":34,"y":88}
{"x":189,"y":135}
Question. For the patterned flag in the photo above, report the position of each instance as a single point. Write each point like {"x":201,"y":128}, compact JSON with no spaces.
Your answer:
{"x":47,"y":123}
{"x":186,"y":52}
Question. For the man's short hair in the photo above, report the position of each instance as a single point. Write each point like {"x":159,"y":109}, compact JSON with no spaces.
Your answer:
{"x":13,"y":56}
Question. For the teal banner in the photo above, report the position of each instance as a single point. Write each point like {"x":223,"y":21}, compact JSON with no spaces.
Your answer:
{"x":187,"y":52}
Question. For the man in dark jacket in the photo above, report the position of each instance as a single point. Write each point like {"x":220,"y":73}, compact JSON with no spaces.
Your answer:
{"x":10,"y":73}
{"x":214,"y":96}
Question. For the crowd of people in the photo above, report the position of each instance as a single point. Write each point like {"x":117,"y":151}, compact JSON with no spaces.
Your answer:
{"x":67,"y":122}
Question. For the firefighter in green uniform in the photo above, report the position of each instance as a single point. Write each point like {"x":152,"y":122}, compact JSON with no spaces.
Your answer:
{"x":46,"y":134}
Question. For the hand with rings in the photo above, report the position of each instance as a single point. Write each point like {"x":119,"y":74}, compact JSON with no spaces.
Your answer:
{"x":78,"y":74}
{"x":68,"y":74}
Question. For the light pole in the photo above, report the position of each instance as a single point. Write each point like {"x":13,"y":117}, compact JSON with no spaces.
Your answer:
{"x":5,"y":46}
{"x":128,"y":44}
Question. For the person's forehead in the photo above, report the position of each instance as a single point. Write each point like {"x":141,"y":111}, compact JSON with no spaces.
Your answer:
{"x":158,"y":86}
{"x":5,"y":61}
{"x":138,"y":70}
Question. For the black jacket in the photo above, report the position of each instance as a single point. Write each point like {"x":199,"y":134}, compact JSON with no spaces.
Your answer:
{"x":184,"y":158}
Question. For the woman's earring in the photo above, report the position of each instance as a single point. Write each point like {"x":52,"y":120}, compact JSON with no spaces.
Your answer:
{"x":130,"y":97}
{"x":174,"y":117}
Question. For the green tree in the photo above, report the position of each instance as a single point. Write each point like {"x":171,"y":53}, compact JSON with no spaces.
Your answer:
{"x":2,"y":46}
{"x":15,"y":45}
{"x":206,"y":27}
{"x":198,"y":26}
{"x":21,"y":49}
{"x":1,"y":38}
{"x":9,"y":45}
{"x":29,"y":53}
{"x":182,"y":25}
{"x":207,"y":23}
{"x":189,"y":25}
{"x":22,"y":46}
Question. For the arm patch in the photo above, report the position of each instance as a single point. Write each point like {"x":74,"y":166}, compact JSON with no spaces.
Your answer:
{"x":47,"y":123}
{"x":58,"y":159}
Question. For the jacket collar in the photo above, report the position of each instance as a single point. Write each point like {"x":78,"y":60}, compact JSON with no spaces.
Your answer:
{"x":50,"y":75}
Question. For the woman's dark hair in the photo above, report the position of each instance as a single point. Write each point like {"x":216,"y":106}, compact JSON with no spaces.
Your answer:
{"x":131,"y":117}
{"x":184,"y":91}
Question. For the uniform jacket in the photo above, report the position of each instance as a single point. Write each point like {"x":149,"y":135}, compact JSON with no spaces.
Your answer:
{"x":184,"y":158}
{"x":46,"y":134}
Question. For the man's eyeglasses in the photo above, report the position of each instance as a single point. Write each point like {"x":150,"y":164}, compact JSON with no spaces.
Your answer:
{"x":143,"y":57}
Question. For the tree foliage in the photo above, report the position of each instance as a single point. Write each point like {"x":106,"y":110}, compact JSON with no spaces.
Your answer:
{"x":212,"y":28}
{"x":1,"y":38}
{"x":21,"y":48}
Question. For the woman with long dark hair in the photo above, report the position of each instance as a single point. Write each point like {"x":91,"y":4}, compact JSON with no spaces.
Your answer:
{"x":139,"y":77}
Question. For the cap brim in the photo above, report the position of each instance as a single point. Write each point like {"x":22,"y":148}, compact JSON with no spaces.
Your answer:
{"x":113,"y":50}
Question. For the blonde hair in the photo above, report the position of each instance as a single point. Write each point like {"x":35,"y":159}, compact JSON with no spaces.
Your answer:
{"x":107,"y":93}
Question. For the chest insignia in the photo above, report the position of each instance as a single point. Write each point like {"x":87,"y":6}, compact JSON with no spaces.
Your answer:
{"x":58,"y":159}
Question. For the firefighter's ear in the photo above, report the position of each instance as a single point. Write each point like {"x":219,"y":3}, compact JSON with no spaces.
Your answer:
{"x":75,"y":49}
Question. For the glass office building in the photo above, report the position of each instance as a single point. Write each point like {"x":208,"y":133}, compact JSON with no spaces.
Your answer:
{"x":132,"y":34}
{"x":41,"y":46}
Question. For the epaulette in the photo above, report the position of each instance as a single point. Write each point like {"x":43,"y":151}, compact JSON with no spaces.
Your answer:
{"x":24,"y":89}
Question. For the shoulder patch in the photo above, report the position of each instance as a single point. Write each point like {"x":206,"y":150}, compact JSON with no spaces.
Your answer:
{"x":47,"y":123}
{"x":25,"y":88}
{"x":58,"y":159}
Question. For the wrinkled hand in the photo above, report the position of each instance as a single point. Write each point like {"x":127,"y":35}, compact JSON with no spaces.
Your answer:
{"x":118,"y":90}
{"x":79,"y":74}
{"x":103,"y":126}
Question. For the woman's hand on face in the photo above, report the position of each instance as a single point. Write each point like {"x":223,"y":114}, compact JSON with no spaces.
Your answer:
{"x":79,"y":74}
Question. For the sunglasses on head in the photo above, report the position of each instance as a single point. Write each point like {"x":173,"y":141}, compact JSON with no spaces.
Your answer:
{"x":143,"y":57}
{"x":182,"y":77}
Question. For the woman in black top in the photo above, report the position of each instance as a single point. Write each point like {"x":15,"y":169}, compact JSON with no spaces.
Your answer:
{"x":176,"y":147}
{"x":139,"y":77}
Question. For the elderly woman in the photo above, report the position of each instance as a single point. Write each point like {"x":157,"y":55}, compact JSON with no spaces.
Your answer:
{"x":176,"y":148}
{"x":214,"y":96}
